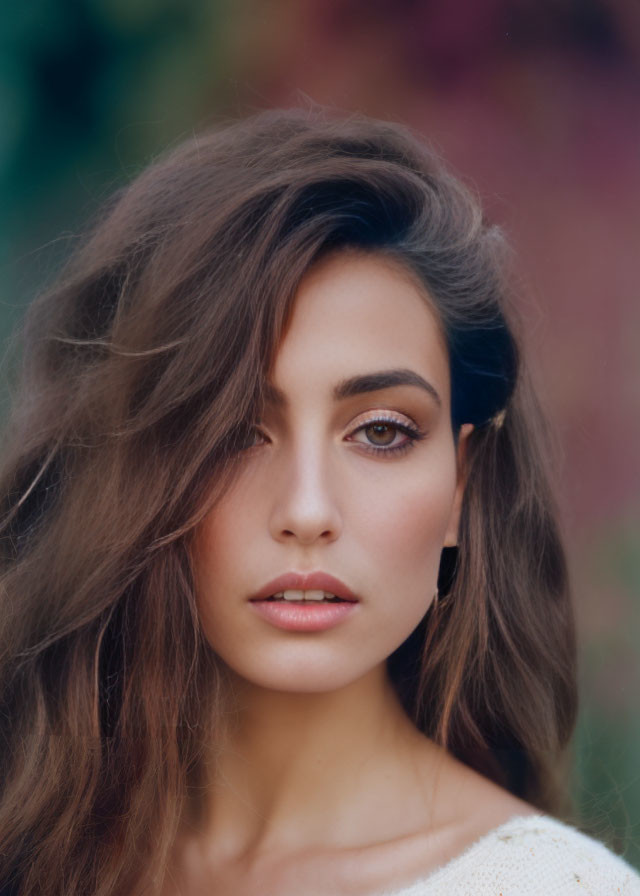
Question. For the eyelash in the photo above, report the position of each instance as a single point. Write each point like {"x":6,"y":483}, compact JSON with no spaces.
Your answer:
{"x":413,"y":433}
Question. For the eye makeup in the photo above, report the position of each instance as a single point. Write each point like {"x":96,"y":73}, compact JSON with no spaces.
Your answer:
{"x":380,"y":426}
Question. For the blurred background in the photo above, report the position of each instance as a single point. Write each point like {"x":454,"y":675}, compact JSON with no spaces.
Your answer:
{"x":534,"y":103}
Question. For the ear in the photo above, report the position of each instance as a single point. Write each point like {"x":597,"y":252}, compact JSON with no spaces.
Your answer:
{"x":451,"y":537}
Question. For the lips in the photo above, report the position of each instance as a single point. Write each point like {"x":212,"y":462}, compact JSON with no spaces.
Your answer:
{"x":313,"y":581}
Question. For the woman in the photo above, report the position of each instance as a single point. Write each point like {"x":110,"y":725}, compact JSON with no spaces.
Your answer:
{"x":285,"y":607}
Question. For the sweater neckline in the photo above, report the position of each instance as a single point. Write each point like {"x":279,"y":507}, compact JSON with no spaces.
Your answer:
{"x":450,"y":864}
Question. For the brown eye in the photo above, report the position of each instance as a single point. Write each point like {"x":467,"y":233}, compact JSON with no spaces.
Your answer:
{"x":384,"y":437}
{"x":248,"y":437}
{"x":381,"y":433}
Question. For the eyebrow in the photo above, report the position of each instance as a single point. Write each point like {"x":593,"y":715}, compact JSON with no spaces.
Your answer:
{"x":363,"y":383}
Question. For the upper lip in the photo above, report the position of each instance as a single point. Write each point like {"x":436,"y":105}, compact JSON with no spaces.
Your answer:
{"x":311,"y":581}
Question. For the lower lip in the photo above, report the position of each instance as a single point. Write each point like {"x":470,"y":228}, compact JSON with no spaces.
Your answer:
{"x":307,"y":617}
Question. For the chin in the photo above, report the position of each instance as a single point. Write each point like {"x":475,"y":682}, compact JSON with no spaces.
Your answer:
{"x":299,"y":675}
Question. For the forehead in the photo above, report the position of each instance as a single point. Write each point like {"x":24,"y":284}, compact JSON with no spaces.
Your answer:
{"x":357,"y":313}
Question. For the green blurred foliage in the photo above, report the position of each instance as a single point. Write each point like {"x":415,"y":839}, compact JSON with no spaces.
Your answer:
{"x":89,"y":91}
{"x":606,"y":781}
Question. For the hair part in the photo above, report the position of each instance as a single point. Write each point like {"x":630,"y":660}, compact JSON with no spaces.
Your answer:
{"x":143,"y":369}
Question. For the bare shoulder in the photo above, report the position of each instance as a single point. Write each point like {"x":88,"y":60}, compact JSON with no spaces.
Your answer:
{"x":480,"y":804}
{"x":461,"y":796}
{"x":466,"y":806}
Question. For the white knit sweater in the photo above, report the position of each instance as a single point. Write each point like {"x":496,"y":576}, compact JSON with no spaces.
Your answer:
{"x":530,"y":856}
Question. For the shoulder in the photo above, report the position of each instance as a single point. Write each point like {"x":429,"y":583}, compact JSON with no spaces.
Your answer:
{"x":531,"y":856}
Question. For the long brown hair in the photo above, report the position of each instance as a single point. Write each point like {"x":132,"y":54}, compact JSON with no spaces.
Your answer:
{"x":142,"y":371}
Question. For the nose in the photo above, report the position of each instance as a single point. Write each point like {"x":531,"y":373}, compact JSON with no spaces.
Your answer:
{"x":305,"y":507}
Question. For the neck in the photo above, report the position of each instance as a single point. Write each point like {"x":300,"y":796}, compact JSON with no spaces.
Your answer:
{"x":294,"y":768}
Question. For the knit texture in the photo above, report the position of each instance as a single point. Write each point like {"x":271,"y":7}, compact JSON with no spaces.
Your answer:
{"x":530,"y":856}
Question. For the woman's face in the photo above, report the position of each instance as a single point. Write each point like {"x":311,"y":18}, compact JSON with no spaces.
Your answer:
{"x":353,"y":472}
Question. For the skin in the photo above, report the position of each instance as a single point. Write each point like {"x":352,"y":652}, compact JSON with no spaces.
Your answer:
{"x":321,"y":782}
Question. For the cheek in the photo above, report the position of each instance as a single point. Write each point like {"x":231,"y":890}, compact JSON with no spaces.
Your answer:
{"x":408,"y":518}
{"x":228,"y":549}
{"x":225,"y":533}
{"x":218,"y":557}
